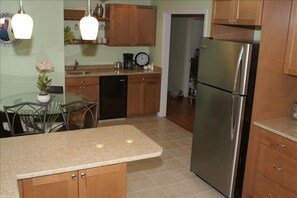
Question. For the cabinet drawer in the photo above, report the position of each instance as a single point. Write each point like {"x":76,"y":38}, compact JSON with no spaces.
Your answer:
{"x":144,"y":78}
{"x":76,"y":81}
{"x":279,"y":143}
{"x":264,"y":187}
{"x":278,"y":167}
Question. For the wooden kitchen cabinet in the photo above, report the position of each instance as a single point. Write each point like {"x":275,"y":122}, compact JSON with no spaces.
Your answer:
{"x":291,"y":51}
{"x":237,"y":12}
{"x":130,"y":25}
{"x":76,"y":15}
{"x":86,"y":86}
{"x":275,"y":166}
{"x":103,"y":182}
{"x":143,"y":94}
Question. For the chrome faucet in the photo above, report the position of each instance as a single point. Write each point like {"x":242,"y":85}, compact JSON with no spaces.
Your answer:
{"x":76,"y":64}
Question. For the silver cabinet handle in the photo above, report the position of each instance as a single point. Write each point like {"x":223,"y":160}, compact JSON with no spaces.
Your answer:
{"x":277,"y":168}
{"x":73,"y":177}
{"x":82,"y":175}
{"x":281,"y":145}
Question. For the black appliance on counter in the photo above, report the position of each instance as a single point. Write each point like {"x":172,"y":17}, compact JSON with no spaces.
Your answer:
{"x":128,"y":61}
{"x":113,"y":97}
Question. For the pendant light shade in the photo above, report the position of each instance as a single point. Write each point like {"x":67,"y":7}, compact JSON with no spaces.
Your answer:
{"x":22,"y":24}
{"x":89,"y":26}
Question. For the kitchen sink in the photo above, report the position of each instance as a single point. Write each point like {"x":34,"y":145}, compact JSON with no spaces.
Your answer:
{"x":77,"y":72}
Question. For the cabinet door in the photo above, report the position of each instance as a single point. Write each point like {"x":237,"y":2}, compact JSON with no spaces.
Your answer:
{"x":291,"y":51}
{"x":121,"y":23}
{"x":62,"y":185}
{"x":91,"y":92}
{"x":151,"y":97}
{"x":74,"y":89}
{"x":144,"y":25}
{"x":103,"y":182}
{"x":264,"y":187}
{"x":278,"y":167}
{"x":223,"y":11}
{"x":248,"y":12}
{"x":135,"y":98}
{"x":237,"y":12}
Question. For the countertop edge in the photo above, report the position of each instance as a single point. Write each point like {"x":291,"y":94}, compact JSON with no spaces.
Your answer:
{"x":86,"y":166}
{"x":275,"y":130}
{"x":94,"y":71}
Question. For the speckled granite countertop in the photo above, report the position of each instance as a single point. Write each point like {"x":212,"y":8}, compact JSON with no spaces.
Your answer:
{"x":108,"y":70}
{"x":44,"y":154}
{"x":282,"y":126}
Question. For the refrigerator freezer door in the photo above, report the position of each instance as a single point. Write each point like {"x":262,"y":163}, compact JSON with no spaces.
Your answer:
{"x":214,"y":143}
{"x":224,"y":64}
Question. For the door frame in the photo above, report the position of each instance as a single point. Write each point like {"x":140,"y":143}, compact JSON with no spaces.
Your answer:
{"x":166,"y":29}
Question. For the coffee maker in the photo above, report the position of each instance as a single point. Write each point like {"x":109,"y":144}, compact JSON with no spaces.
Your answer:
{"x":128,"y":61}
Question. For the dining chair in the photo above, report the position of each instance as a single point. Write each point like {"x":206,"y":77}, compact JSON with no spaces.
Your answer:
{"x":80,"y":115}
{"x":31,"y":115}
{"x":55,"y":89}
{"x":4,"y":130}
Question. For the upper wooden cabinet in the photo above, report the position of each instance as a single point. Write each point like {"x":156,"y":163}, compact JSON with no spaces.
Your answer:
{"x":130,"y":25}
{"x":76,"y":15}
{"x":237,"y":12}
{"x":291,"y":51}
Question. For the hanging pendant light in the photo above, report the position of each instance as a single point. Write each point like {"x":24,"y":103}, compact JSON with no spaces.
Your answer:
{"x":22,"y":24}
{"x":89,"y":26}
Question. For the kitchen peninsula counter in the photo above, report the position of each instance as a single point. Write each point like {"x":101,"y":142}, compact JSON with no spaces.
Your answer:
{"x":46,"y":154}
{"x":284,"y":127}
{"x":108,"y":70}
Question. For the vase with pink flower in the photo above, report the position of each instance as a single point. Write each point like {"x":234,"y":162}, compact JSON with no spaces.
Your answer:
{"x":43,"y":80}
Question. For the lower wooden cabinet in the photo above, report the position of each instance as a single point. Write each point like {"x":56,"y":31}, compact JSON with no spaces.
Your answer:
{"x":103,"y":182}
{"x":264,"y":187}
{"x":273,"y":167}
{"x":143,"y":94}
{"x":291,"y":58}
{"x":86,"y":86}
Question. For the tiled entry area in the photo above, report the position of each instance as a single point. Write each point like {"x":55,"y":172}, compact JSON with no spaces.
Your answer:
{"x":167,"y":176}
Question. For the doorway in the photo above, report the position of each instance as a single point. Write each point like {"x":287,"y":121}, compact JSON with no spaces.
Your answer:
{"x":181,"y":74}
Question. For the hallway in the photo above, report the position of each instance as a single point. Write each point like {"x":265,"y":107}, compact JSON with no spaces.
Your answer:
{"x":181,"y":111}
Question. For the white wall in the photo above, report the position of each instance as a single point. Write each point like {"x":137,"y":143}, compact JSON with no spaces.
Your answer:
{"x":17,"y":64}
{"x":177,"y":53}
{"x":197,"y":33}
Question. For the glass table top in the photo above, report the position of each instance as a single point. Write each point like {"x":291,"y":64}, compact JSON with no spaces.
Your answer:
{"x":53,"y":105}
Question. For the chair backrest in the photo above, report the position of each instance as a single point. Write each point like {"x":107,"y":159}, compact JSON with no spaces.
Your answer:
{"x":80,"y":115}
{"x":4,"y":128}
{"x":31,"y":115}
{"x":55,"y":89}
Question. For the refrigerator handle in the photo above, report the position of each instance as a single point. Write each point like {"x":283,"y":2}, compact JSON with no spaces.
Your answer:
{"x":232,"y":117}
{"x":235,"y":85}
{"x":237,"y":112}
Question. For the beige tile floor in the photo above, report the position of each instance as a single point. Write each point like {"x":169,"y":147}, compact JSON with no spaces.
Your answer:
{"x":167,"y":176}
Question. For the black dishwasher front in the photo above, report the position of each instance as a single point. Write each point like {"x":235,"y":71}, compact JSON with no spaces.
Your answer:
{"x":113,"y":97}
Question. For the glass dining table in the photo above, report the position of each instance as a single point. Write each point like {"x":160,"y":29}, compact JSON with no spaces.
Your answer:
{"x":53,"y":110}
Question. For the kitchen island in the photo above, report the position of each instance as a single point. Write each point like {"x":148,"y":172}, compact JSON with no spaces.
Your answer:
{"x":47,"y":154}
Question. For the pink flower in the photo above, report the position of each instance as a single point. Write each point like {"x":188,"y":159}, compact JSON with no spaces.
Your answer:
{"x":43,"y":81}
{"x":44,"y":67}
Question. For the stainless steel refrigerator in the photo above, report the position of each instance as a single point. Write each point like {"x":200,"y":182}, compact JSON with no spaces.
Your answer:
{"x":226,"y":78}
